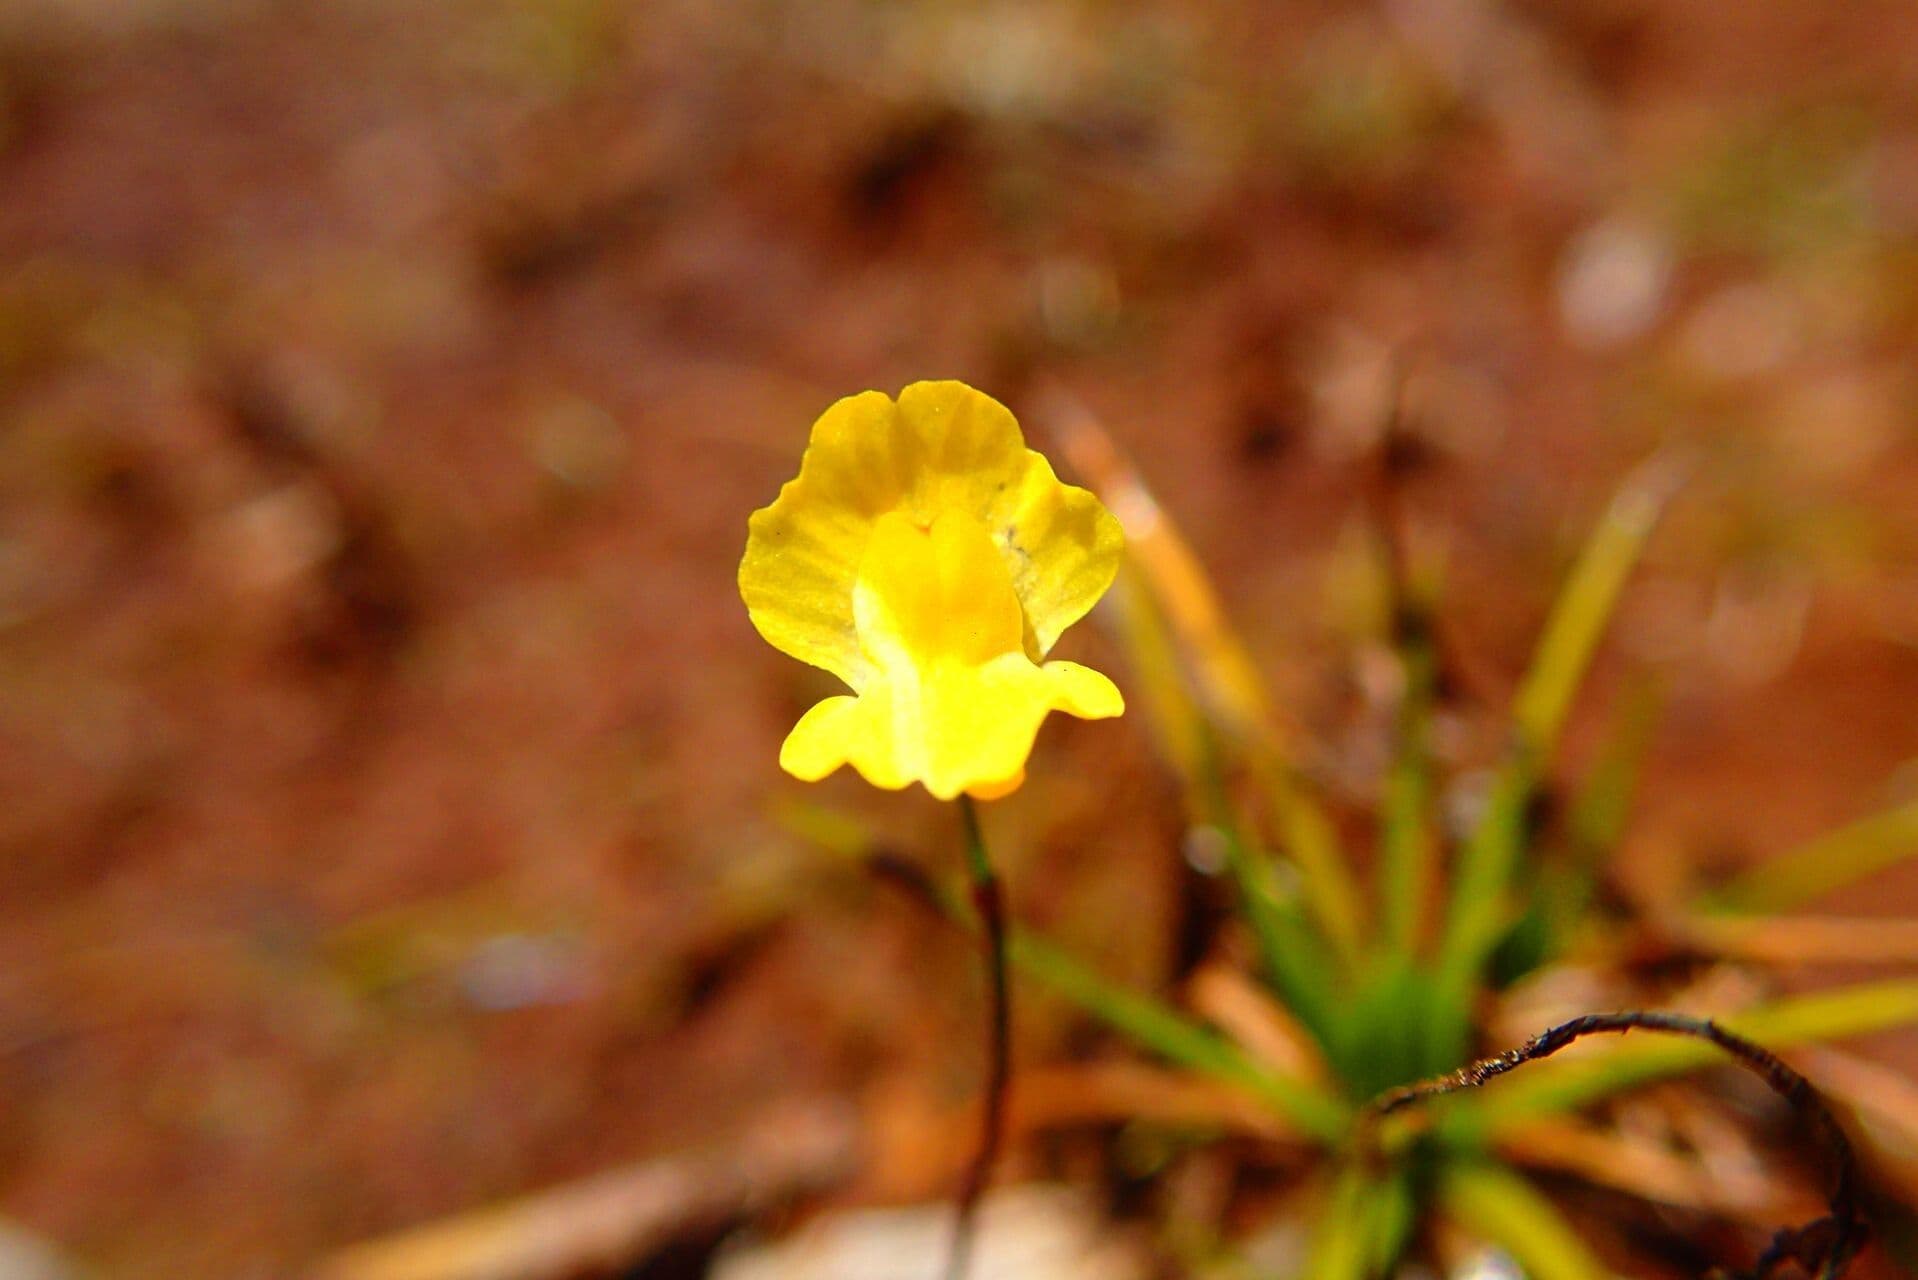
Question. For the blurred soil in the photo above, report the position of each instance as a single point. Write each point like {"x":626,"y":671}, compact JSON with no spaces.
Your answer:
{"x":392,"y":819}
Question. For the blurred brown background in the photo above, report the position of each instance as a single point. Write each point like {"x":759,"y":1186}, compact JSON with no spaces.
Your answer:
{"x":391,"y":820}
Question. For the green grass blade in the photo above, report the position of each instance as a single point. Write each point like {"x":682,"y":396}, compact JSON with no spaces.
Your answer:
{"x":1479,"y":906}
{"x":1547,"y":1087}
{"x":1161,"y":1029}
{"x":1830,"y":862}
{"x":1502,"y":1208}
{"x":1292,"y":952}
{"x":1408,"y":843}
{"x":1560,"y":893}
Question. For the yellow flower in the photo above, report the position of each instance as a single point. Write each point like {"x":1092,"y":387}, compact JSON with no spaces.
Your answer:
{"x":930,"y":560}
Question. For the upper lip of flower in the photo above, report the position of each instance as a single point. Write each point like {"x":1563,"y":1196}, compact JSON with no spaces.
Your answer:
{"x":987,"y":550}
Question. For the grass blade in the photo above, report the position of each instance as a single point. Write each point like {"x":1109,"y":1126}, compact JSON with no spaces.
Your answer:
{"x":1502,"y":1208}
{"x":1603,"y":807}
{"x":1158,"y":1028}
{"x":1644,"y":1167}
{"x":1362,"y":1226}
{"x":1479,"y":907}
{"x":1178,"y":726}
{"x":1408,"y":844}
{"x":1559,"y":893}
{"x":1229,"y":679}
{"x":1291,"y":952}
{"x":1803,"y":940}
{"x":1828,"y":863}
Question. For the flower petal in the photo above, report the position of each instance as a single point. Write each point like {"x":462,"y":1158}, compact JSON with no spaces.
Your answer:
{"x":1062,"y":545}
{"x":942,"y":446}
{"x":980,"y":722}
{"x":803,"y":551}
{"x":953,"y":701}
{"x":1065,"y":549}
{"x":969,"y":730}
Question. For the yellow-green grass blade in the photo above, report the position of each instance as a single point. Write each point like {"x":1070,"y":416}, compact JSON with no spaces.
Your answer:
{"x":1830,"y":862}
{"x":1547,"y":1087}
{"x":1479,"y":907}
{"x":1362,"y":1226}
{"x":1502,"y":1208}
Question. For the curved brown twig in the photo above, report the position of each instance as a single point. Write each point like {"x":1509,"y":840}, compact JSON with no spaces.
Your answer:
{"x":1824,"y":1248}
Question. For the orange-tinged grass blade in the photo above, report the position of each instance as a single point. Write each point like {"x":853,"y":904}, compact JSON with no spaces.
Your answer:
{"x":1805,"y":939}
{"x":1868,"y":1086}
{"x":1168,"y":563}
{"x":1124,"y":1092}
{"x":1608,"y":1159}
{"x":1830,"y":862}
{"x":1177,"y":1038}
{"x":1223,"y":666}
{"x":1261,"y":1025}
{"x":1178,"y":726}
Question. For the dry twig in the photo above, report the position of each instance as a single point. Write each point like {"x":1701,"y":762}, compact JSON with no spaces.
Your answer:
{"x":1824,"y":1248}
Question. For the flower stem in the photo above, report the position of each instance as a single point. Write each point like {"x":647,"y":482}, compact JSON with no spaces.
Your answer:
{"x":988,"y":902}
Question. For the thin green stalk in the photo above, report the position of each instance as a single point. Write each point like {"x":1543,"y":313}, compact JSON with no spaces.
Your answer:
{"x":1558,"y":893}
{"x":1408,"y":845}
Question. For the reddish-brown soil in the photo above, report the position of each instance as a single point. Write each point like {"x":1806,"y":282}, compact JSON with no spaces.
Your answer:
{"x":391,"y":818}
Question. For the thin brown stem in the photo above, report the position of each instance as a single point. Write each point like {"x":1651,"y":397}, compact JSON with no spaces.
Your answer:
{"x":1823,"y":1248}
{"x":988,"y":902}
